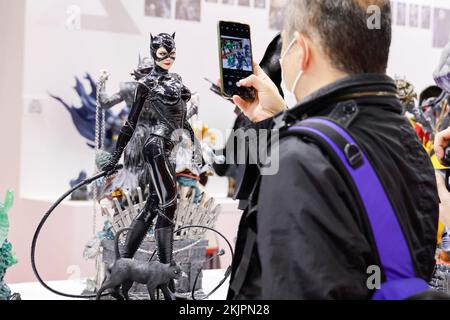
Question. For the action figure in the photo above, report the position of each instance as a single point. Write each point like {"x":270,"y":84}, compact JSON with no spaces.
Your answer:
{"x":133,"y":157}
{"x":7,"y":258}
{"x":407,"y":95}
{"x":158,"y":112}
{"x":188,"y":173}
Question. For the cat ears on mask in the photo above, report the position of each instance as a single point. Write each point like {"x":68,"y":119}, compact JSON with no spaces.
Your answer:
{"x":152,"y":37}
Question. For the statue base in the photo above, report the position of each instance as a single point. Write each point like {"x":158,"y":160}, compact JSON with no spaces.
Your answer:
{"x":189,"y":254}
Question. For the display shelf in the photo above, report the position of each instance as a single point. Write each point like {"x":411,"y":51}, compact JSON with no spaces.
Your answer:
{"x":35,"y":291}
{"x":70,"y":203}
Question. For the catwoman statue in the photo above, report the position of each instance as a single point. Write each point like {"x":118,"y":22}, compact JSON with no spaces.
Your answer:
{"x":158,"y":112}
{"x":133,"y":157}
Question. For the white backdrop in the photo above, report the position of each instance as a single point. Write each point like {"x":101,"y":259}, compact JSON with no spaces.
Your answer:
{"x":52,"y":150}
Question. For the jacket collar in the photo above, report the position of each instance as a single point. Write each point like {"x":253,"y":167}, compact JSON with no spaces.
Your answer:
{"x":376,"y":88}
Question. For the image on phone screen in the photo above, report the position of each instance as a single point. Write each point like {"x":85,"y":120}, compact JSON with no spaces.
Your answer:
{"x":236,"y":57}
{"x":236,"y":54}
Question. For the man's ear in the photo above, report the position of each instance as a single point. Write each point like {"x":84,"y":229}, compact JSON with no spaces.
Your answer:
{"x":305,"y":50}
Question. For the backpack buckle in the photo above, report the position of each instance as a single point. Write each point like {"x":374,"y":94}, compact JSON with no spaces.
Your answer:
{"x":345,"y":113}
{"x":353,"y":155}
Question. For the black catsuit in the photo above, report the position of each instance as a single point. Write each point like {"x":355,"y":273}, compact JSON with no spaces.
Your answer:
{"x":159,"y":105}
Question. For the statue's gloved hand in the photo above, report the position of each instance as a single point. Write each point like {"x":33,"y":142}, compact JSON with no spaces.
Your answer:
{"x":110,"y":167}
{"x":113,"y":162}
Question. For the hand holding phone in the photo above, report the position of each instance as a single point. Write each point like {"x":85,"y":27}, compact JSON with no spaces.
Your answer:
{"x":245,"y":82}
{"x":267,"y":103}
{"x":236,"y":59}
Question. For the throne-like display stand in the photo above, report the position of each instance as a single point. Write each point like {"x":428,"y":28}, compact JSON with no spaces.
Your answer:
{"x":189,"y":244}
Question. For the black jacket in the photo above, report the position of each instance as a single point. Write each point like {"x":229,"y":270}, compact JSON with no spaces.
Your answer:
{"x":312,"y":242}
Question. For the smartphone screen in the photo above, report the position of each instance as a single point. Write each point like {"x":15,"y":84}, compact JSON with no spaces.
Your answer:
{"x":235,"y":50}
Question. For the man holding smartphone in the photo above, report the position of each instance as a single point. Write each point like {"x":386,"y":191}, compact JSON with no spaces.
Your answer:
{"x":302,"y":236}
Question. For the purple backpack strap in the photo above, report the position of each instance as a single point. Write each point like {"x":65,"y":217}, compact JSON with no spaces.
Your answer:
{"x":401,"y":281}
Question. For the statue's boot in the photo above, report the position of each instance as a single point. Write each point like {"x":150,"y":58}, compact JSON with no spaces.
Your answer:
{"x":135,"y":236}
{"x":164,"y":243}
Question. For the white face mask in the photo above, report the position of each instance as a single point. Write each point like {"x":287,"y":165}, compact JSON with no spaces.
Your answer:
{"x":289,"y":95}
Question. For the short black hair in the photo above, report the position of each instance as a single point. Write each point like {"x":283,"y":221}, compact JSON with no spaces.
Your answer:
{"x":343,"y":30}
{"x":429,"y":92}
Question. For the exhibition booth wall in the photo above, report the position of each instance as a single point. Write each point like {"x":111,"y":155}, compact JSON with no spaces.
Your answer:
{"x":45,"y":44}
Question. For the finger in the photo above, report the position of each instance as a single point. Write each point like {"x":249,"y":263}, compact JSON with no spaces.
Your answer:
{"x":440,"y":143}
{"x":241,"y":103}
{"x":442,"y":138}
{"x":252,"y":81}
{"x":439,"y":150}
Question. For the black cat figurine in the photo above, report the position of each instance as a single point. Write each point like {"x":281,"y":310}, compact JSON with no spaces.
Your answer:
{"x":124,"y":272}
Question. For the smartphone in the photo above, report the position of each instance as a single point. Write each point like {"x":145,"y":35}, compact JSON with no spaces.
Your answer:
{"x":236,"y":58}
